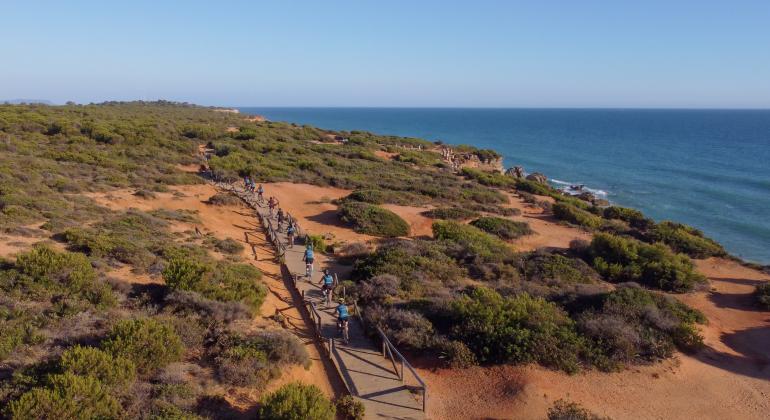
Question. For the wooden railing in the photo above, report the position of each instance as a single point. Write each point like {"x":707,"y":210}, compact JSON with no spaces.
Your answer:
{"x":389,"y":350}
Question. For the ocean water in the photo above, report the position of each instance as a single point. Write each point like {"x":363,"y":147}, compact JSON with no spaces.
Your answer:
{"x":706,"y":168}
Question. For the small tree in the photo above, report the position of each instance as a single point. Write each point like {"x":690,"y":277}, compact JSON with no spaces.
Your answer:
{"x":69,"y":396}
{"x":147,"y":342}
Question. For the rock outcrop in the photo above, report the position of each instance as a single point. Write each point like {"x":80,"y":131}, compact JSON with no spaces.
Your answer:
{"x":515,"y":172}
{"x":538,"y":177}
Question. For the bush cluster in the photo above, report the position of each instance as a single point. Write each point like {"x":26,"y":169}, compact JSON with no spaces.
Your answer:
{"x":451,"y":213}
{"x":620,"y":259}
{"x":505,"y":229}
{"x":473,"y":242}
{"x":223,"y":281}
{"x":565,"y":410}
{"x":67,"y":396}
{"x":577,"y":216}
{"x":149,"y":344}
{"x":255,"y":359}
{"x":685,"y":239}
{"x":297,"y":401}
{"x":372,"y":220}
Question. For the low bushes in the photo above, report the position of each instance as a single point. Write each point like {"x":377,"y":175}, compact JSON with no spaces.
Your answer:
{"x":634,"y":217}
{"x":148,"y":343}
{"x":67,"y":396}
{"x":556,"y":270}
{"x":224,"y":282}
{"x":372,"y":220}
{"x":685,"y":239}
{"x":255,"y":359}
{"x":296,"y":401}
{"x":413,"y":263}
{"x":574,"y":215}
{"x":632,"y":324}
{"x":451,"y":213}
{"x":350,"y":409}
{"x":405,"y":328}
{"x":503,"y":228}
{"x":223,"y":199}
{"x":473,"y":241}
{"x":373,"y":196}
{"x":565,"y":410}
{"x":114,"y":372}
{"x":762,"y":295}
{"x":43,"y":271}
{"x":620,"y":259}
{"x":517,"y":329}
{"x":228,"y":246}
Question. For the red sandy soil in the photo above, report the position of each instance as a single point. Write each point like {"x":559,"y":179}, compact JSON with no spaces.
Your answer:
{"x":237,"y":223}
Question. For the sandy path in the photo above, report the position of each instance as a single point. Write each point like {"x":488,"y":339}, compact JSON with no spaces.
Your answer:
{"x":236,"y":223}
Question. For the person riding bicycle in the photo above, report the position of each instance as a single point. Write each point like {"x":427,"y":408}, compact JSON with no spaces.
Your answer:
{"x":342,"y":313}
{"x":281,"y":216}
{"x":308,"y":259}
{"x":327,"y":282}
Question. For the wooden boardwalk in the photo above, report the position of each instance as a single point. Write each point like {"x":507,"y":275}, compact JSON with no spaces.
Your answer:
{"x":377,"y":376}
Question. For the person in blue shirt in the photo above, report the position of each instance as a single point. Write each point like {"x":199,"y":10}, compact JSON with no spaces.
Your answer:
{"x":327,"y":282}
{"x":290,"y":232}
{"x":342,"y":312}
{"x":308,"y":258}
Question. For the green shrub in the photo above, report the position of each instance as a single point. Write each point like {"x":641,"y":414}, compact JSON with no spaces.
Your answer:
{"x":634,"y":217}
{"x":184,"y":274}
{"x":413,"y":263}
{"x":685,"y":239}
{"x":576,"y":216}
{"x":113,"y":372}
{"x":557,"y":270}
{"x":564,"y":410}
{"x":67,"y":397}
{"x":224,"y":282}
{"x":450,"y":213}
{"x":405,"y":328}
{"x":317,"y":241}
{"x":372,"y":220}
{"x":473,"y":241}
{"x":516,"y":329}
{"x":223,"y":199}
{"x":147,"y":342}
{"x":256,"y":359}
{"x":350,"y":409}
{"x":620,"y":259}
{"x":456,"y":354}
{"x":296,"y":401}
{"x":228,"y":246}
{"x":631,"y":324}
{"x":503,"y":228}
{"x":60,"y":272}
{"x":762,"y":295}
{"x":372,"y":196}
{"x":492,"y":179}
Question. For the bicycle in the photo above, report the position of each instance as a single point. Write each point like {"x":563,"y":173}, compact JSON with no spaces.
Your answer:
{"x":343,"y":329}
{"x":327,"y":295}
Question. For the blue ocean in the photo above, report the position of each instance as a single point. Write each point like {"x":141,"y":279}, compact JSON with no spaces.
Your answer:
{"x":706,"y":168}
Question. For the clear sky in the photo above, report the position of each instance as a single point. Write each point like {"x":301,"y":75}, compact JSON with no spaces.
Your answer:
{"x":539,"y":53}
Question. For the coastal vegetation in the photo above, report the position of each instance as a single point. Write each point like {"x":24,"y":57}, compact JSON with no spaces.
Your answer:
{"x":762,"y":295}
{"x":78,"y":341}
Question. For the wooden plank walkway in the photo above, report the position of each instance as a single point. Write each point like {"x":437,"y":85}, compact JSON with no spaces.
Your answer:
{"x":377,"y":380}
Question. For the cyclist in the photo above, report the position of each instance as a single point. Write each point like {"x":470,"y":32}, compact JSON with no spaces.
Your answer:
{"x":327,"y":283}
{"x":290,"y":232}
{"x":308,"y":259}
{"x":342,"y":316}
{"x":280,"y":218}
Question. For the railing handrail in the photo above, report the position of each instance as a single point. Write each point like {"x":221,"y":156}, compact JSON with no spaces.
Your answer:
{"x":393,"y":348}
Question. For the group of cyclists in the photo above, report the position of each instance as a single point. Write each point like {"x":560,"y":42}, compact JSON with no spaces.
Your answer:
{"x":327,"y":282}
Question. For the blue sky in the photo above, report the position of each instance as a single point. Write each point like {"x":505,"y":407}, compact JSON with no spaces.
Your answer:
{"x":390,"y":53}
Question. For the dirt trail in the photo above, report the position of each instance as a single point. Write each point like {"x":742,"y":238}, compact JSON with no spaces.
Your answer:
{"x":237,"y":223}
